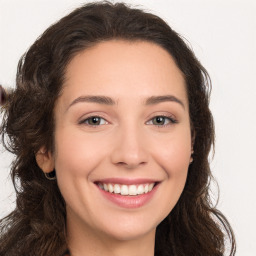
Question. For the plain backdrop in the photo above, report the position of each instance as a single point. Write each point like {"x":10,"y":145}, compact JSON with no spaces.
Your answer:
{"x":223,"y":36}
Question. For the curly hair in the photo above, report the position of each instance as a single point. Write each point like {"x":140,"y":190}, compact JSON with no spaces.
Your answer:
{"x":37,"y":225}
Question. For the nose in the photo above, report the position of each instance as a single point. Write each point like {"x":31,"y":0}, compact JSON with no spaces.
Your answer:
{"x":129,"y":148}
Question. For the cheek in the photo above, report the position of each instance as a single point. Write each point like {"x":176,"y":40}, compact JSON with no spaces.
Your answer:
{"x":174,"y":157}
{"x":175,"y":162}
{"x":76,"y":154}
{"x":172,"y":187}
{"x":173,"y":154}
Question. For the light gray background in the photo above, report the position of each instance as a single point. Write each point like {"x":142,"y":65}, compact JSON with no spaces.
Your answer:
{"x":223,"y":36}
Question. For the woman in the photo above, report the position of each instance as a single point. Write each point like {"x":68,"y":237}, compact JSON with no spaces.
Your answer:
{"x":111,"y":130}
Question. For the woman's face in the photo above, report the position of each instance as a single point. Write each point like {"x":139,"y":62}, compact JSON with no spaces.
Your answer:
{"x":122,"y":124}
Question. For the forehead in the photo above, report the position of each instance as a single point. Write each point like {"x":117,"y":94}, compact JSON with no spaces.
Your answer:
{"x":132,"y":69}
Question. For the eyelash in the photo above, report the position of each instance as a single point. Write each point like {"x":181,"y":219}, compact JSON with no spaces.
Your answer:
{"x":85,"y":121}
{"x":171,"y":120}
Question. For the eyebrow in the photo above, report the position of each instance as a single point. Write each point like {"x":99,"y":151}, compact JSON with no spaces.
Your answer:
{"x":164,"y":98}
{"x":105,"y":100}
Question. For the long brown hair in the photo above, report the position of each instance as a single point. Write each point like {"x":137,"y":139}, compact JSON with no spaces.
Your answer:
{"x":37,"y":225}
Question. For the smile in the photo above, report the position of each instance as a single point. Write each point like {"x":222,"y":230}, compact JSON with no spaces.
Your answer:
{"x":128,"y":193}
{"x":127,"y":190}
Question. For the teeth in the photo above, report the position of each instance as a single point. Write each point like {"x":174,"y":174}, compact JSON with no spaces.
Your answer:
{"x":117,"y":189}
{"x":124,"y":190}
{"x":150,"y":186}
{"x":140,"y":189}
{"x":131,"y":190}
{"x":105,"y":186}
{"x":110,"y":188}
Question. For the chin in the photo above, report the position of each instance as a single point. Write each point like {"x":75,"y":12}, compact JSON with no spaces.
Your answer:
{"x":130,"y":233}
{"x":129,"y":227}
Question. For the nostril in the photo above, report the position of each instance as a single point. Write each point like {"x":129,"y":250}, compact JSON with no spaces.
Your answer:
{"x":130,"y":165}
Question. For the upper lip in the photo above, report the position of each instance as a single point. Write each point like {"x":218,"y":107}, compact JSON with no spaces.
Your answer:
{"x":126,"y":181}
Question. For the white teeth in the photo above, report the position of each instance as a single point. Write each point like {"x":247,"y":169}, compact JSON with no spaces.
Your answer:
{"x":117,"y":189}
{"x":150,"y":186}
{"x":110,"y":188}
{"x":131,"y":190}
{"x":140,"y":189}
{"x":124,"y":190}
{"x":105,"y":186}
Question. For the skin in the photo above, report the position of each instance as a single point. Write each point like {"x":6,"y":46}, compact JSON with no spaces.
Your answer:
{"x":127,"y":143}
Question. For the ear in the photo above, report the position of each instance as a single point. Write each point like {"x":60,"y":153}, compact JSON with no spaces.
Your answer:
{"x":45,"y":160}
{"x":193,"y":137}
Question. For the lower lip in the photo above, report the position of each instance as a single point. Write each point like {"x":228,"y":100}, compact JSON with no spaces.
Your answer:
{"x":129,"y":201}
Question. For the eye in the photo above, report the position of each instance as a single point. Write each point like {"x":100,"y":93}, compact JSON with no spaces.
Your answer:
{"x":162,"y":121}
{"x":94,"y":121}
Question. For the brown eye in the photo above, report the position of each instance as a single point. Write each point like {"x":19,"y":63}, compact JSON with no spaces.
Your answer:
{"x":159,"y":120}
{"x":162,"y":121}
{"x":94,"y":121}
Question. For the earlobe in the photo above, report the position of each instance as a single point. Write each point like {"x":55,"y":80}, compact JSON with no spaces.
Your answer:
{"x":45,"y":160}
{"x":191,"y":156}
{"x":193,"y":136}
